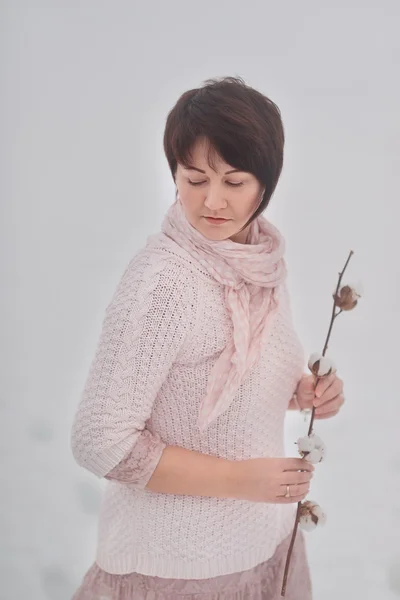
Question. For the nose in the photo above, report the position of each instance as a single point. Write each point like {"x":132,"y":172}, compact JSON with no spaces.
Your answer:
{"x":214,"y":201}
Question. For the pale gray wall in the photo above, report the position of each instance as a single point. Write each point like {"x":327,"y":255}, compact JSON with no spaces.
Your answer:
{"x":85,"y":90}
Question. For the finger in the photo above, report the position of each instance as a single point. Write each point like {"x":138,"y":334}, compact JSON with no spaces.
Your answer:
{"x":324,"y":384}
{"x":335,"y":389}
{"x":296,"y":477}
{"x":307,"y":385}
{"x":294,"y":490}
{"x":299,"y":464}
{"x":331,"y":406}
{"x":327,"y":415}
{"x":306,"y":401}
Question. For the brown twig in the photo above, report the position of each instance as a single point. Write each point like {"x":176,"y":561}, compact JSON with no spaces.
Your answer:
{"x":334,"y":315}
{"x":296,"y":523}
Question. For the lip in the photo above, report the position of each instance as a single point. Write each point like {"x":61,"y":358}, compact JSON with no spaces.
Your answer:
{"x":216,"y":221}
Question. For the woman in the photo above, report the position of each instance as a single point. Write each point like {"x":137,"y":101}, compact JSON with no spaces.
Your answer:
{"x":184,"y":406}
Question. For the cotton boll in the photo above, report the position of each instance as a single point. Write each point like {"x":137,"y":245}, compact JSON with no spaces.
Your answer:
{"x":316,"y":356}
{"x":321,"y":516}
{"x":347,"y":296}
{"x":321,"y":366}
{"x":314,"y":457}
{"x":358,"y":288}
{"x":322,"y":453}
{"x":318,"y":443}
{"x":311,"y":515}
{"x":319,"y":446}
{"x":311,"y":448}
{"x":305,"y":444}
{"x":333,"y":368}
{"x":325,"y":367}
{"x":306,"y":523}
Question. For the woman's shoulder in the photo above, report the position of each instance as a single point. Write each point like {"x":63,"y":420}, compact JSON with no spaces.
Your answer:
{"x":157,"y":271}
{"x":160,"y":247}
{"x":162,"y":258}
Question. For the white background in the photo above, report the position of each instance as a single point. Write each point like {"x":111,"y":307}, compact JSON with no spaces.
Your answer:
{"x":85,"y":90}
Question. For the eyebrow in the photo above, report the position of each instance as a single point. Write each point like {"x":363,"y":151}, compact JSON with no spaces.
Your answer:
{"x":201,"y":171}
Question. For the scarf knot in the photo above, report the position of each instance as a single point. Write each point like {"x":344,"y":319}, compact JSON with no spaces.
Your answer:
{"x":251,"y":274}
{"x":240,"y":285}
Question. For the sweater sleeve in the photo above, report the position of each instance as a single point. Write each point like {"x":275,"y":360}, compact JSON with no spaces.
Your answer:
{"x":144,"y":328}
{"x":139,"y":465}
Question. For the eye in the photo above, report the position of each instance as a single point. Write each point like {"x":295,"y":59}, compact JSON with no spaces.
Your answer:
{"x":228,"y":183}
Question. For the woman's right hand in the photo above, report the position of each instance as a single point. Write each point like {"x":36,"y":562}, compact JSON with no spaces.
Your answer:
{"x":265,"y":479}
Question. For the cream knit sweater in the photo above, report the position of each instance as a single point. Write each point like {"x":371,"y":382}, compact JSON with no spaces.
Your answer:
{"x":163,"y":330}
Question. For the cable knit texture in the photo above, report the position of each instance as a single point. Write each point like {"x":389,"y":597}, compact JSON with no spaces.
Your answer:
{"x":163,"y":331}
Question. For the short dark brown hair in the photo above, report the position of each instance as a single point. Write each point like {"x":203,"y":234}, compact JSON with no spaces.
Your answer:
{"x":240,"y":124}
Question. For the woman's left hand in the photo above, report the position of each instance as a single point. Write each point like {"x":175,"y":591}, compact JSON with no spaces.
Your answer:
{"x":328,"y":397}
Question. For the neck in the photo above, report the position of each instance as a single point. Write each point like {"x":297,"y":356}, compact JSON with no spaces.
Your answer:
{"x":241,"y":237}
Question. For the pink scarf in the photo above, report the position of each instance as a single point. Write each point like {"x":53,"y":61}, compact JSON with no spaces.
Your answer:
{"x":250,"y":273}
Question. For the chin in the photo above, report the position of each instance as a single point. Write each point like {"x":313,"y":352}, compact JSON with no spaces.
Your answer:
{"x":216,"y":234}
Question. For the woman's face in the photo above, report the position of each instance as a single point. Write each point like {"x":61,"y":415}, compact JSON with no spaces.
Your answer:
{"x":227,"y":193}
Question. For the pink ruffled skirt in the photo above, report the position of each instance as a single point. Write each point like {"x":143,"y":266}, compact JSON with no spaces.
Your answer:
{"x":263,"y":582}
